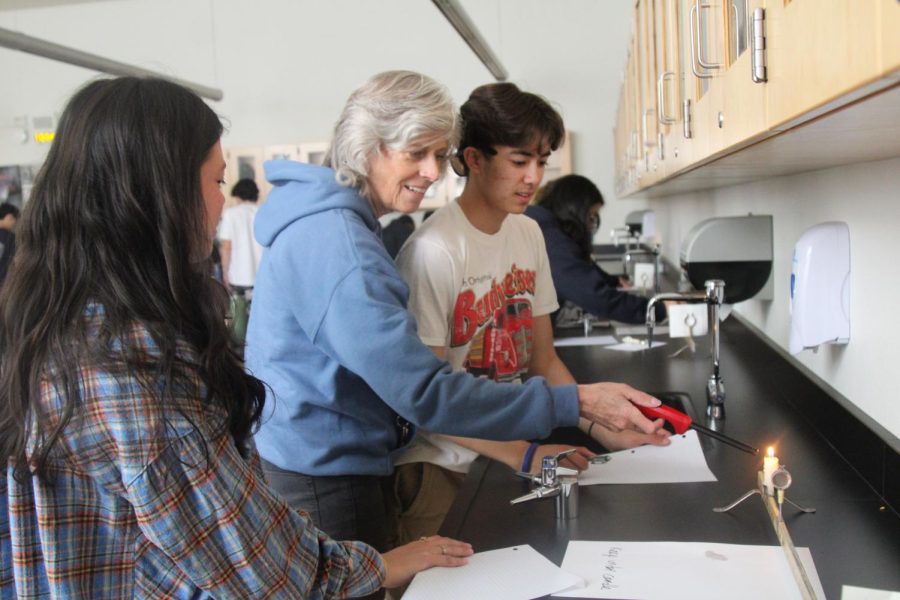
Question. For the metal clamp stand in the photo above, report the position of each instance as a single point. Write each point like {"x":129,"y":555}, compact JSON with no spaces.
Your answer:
{"x":781,"y":480}
{"x":713,"y":295}
{"x":550,"y":485}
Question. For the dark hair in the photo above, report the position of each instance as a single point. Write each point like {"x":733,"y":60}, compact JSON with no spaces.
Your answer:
{"x":8,"y":209}
{"x":570,"y":199}
{"x":500,"y":114}
{"x":115,"y":216}
{"x":246,"y":189}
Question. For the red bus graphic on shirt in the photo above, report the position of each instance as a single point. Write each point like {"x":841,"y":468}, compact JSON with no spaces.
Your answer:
{"x":498,"y":325}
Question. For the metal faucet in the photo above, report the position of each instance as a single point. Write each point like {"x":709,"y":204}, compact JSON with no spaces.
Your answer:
{"x":550,"y":485}
{"x":713,"y":296}
{"x":628,"y":258}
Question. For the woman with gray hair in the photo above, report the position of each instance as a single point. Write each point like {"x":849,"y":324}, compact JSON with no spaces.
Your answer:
{"x":330,"y":332}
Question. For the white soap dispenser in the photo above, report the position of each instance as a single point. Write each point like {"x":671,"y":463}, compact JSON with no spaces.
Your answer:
{"x":820,"y":287}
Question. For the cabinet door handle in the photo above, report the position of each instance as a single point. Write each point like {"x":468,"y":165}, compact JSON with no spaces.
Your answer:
{"x":694,"y":41}
{"x":686,"y":118}
{"x":734,"y":17}
{"x":664,"y":118}
{"x":647,"y":142}
{"x":703,"y":63}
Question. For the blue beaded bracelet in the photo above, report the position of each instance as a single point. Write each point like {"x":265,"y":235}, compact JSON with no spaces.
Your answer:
{"x":529,"y":456}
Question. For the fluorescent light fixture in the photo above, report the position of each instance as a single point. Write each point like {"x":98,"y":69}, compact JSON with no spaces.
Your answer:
{"x":39,"y":47}
{"x":454,"y":13}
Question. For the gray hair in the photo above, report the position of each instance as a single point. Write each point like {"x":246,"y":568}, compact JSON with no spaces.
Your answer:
{"x":391,"y":110}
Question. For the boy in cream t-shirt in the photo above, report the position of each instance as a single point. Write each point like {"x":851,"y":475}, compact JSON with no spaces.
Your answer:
{"x":482,"y":294}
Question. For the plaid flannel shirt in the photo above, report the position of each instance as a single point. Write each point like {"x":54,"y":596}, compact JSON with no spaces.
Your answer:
{"x":128,"y":514}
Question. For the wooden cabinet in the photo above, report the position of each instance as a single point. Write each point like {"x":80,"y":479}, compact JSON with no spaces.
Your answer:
{"x":692,"y":69}
{"x":743,"y":99}
{"x":818,"y":51}
{"x":648,"y":171}
{"x":889,"y":34}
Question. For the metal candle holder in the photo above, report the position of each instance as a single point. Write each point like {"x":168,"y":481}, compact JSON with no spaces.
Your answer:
{"x":781,"y":480}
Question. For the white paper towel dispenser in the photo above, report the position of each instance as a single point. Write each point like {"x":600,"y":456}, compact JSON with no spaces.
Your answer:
{"x":641,"y":223}
{"x":820,"y":287}
{"x":737,"y":250}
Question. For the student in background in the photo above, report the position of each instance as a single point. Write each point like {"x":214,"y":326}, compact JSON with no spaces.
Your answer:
{"x":240,"y":253}
{"x":125,"y":419}
{"x":331,"y":334}
{"x":239,"y":250}
{"x":9,"y":215}
{"x":568,"y":212}
{"x":481,"y":293}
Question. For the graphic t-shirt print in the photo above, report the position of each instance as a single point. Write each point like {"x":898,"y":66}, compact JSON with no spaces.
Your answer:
{"x":498,"y":325}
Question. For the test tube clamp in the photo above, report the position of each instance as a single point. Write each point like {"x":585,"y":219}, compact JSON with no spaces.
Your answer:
{"x":781,"y":480}
{"x":549,"y":484}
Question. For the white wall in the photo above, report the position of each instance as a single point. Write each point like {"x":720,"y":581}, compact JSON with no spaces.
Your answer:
{"x":865,"y":196}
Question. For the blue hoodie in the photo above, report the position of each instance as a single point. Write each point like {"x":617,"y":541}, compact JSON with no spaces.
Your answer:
{"x":330,"y":335}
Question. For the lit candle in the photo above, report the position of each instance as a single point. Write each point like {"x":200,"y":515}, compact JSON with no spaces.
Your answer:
{"x":770,"y":465}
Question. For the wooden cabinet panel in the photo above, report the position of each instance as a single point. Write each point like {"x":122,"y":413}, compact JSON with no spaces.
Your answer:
{"x":817,"y":51}
{"x":680,"y":143}
{"x":889,"y":18}
{"x":823,"y":58}
{"x":743,"y":101}
{"x":646,"y":41}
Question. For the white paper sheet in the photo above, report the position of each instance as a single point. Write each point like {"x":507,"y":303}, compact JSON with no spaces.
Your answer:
{"x":591,"y":340}
{"x":680,"y":462}
{"x":851,"y":592}
{"x":680,"y":571}
{"x":633,"y":347}
{"x":516,"y":573}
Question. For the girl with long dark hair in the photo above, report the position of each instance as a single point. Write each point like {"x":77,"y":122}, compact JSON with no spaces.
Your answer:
{"x":125,"y":414}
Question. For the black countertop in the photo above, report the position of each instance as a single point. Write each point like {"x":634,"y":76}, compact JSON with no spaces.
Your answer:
{"x":854,"y":536}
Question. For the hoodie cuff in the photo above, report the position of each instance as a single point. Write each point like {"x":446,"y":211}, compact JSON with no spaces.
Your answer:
{"x":565,"y":403}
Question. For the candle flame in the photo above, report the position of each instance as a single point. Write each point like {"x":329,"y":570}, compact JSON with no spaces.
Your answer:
{"x":771,"y":451}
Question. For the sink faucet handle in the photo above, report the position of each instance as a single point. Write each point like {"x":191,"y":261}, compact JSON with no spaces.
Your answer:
{"x":548,"y":470}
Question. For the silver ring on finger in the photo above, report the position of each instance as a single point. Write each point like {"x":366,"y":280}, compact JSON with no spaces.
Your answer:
{"x":443,"y":549}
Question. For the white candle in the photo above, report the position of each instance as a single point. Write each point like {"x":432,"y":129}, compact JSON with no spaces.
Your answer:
{"x":770,"y":465}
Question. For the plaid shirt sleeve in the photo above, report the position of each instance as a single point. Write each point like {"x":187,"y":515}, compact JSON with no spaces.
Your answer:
{"x":145,"y":498}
